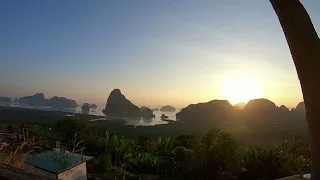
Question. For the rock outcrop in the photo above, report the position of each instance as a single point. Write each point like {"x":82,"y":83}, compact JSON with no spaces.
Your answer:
{"x":147,"y":112}
{"x":283,"y":108}
{"x":143,"y":108}
{"x":85,"y":108}
{"x":264,"y":111}
{"x":119,"y":106}
{"x":168,"y":108}
{"x":300,"y":110}
{"x":240,"y":105}
{"x":61,"y":102}
{"x":300,"y":107}
{"x":215,"y":109}
{"x":5,"y":99}
{"x":54,"y":102}
{"x":260,"y":106}
{"x":163,"y":116}
{"x":93,"y":106}
{"x":35,"y":100}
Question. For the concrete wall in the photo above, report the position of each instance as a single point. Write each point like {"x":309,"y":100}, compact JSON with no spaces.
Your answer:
{"x":78,"y":172}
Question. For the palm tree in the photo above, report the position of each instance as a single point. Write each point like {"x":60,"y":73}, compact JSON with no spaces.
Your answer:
{"x":259,"y":163}
{"x":304,"y":45}
{"x":217,"y":152}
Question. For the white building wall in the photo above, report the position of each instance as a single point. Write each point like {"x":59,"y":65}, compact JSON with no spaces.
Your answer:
{"x":78,"y":172}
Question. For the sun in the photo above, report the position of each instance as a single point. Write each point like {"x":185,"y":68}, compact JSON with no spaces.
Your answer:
{"x":242,"y":88}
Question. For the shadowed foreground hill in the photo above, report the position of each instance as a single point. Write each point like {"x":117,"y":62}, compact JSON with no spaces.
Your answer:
{"x":39,"y":117}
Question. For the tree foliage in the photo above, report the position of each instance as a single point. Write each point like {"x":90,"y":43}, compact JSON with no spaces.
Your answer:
{"x":211,"y":155}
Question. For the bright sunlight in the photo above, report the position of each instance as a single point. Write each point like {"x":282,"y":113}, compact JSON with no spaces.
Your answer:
{"x":241,"y":89}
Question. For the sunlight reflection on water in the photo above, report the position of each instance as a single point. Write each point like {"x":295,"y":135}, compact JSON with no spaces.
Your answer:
{"x":144,"y":121}
{"x":98,"y":112}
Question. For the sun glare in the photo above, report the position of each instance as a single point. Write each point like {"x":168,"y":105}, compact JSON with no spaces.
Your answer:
{"x":241,"y":89}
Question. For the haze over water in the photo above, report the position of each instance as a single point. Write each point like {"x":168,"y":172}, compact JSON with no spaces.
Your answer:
{"x":98,"y":112}
{"x":163,"y":52}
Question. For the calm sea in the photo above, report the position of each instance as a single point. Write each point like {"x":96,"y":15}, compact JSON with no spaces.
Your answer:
{"x":130,"y":121}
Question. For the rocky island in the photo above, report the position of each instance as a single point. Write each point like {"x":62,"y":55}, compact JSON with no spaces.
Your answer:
{"x":54,"y":102}
{"x":260,"y":106}
{"x":240,"y":105}
{"x":85,"y":108}
{"x":163,"y":116}
{"x":168,"y":108}
{"x":300,"y":108}
{"x":35,"y":100}
{"x":147,"y":112}
{"x":93,"y":106}
{"x":5,"y":99}
{"x":215,"y":109}
{"x":119,"y":106}
{"x":283,"y":108}
{"x":62,"y":102}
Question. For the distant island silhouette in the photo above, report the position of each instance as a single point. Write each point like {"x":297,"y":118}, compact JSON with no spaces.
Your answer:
{"x":39,"y":100}
{"x":5,"y":99}
{"x":168,"y":108}
{"x":220,"y":110}
{"x":147,"y":112}
{"x":163,"y":116}
{"x":205,"y":111}
{"x":119,"y":106}
{"x":93,"y":106}
{"x":240,"y":105}
{"x":300,"y":108}
{"x":85,"y":108}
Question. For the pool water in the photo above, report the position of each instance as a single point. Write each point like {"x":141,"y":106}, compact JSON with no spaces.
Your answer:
{"x":53,"y":161}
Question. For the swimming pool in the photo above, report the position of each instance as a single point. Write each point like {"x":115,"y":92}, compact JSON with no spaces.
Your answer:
{"x":54,"y":161}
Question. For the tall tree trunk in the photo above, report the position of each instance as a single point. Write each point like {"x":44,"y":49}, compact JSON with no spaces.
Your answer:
{"x":304,"y":45}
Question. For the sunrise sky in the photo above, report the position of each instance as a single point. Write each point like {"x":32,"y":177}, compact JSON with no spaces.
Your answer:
{"x":157,"y":52}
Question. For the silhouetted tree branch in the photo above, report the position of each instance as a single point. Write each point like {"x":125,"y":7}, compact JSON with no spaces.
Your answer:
{"x":304,"y":45}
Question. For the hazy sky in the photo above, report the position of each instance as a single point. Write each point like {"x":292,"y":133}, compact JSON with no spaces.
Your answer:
{"x":157,"y":52}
